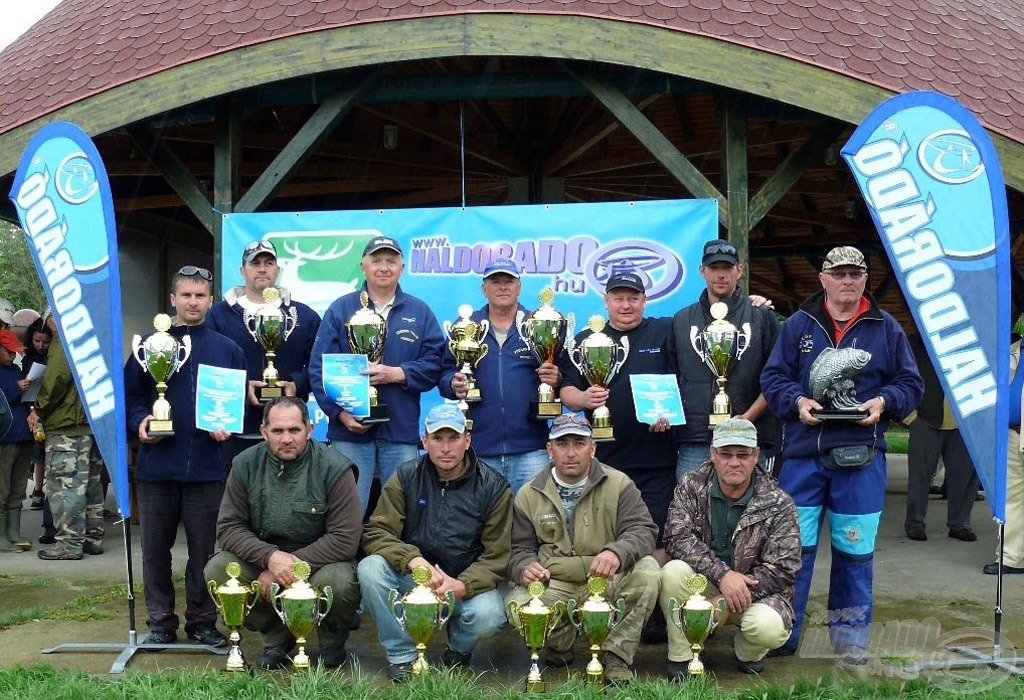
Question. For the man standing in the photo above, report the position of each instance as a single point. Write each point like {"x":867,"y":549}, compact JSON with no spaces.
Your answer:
{"x":74,"y":466}
{"x":837,"y":468}
{"x":581,"y":518}
{"x":505,"y":433}
{"x":292,"y":499}
{"x":180,"y":479}
{"x":732,"y":523}
{"x":411,"y":365}
{"x":227,"y":317}
{"x":450,"y":513}
{"x":722,"y":270}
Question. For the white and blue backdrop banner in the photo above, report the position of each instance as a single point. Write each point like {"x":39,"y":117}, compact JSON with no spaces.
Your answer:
{"x":63,"y":200}
{"x":932,"y":181}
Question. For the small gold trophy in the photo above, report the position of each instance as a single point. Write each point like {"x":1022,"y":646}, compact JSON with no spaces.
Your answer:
{"x":161,"y":355}
{"x":301,"y":608}
{"x":535,"y":621}
{"x":366,"y":331}
{"x":234,"y":601}
{"x":421,"y":612}
{"x":467,"y":346}
{"x":270,"y":326}
{"x":545,"y":332}
{"x":595,"y":620}
{"x":721,"y":343}
{"x":697,"y":619}
{"x":598,"y":358}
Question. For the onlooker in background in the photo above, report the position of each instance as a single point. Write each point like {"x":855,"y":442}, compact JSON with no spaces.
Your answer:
{"x":15,"y":447}
{"x":1013,"y":529}
{"x":933,"y":434}
{"x":37,"y":340}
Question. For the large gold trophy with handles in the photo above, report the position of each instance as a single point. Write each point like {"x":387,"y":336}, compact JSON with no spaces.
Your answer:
{"x":421,"y":612}
{"x":599,"y":357}
{"x":366,"y":331}
{"x":546,"y":332}
{"x":270,"y":326}
{"x":720,"y":344}
{"x":595,"y":620}
{"x":697,"y":619}
{"x":161,"y":354}
{"x":301,"y":608}
{"x":535,"y":621}
{"x":234,"y":600}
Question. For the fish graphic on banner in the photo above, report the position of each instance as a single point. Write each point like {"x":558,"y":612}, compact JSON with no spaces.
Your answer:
{"x":63,"y":200}
{"x":932,"y":182}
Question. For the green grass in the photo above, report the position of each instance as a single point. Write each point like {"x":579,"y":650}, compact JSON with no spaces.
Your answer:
{"x":81,"y":608}
{"x":896,"y":438}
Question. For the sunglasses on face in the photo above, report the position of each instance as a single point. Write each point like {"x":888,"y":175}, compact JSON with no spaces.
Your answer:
{"x":855,"y":275}
{"x":193,"y":271}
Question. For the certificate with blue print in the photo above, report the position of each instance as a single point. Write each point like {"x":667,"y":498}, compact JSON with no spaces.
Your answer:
{"x":345,"y":384}
{"x":220,"y":398}
{"x":657,"y":396}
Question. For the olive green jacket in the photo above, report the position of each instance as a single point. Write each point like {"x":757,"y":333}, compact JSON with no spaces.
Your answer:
{"x":58,"y":404}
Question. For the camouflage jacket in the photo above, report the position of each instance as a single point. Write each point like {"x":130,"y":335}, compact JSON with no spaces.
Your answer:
{"x":766,"y":543}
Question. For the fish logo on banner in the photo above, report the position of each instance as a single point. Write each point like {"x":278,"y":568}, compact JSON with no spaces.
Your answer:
{"x":63,"y":200}
{"x":932,"y":181}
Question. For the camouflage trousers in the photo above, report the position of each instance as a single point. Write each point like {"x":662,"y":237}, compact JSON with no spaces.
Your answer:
{"x":72,"y":485}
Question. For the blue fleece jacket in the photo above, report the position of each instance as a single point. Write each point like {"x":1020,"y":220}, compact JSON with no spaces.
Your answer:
{"x":190,"y":455}
{"x":413,"y":342}
{"x":891,"y":373}
{"x":10,"y":375}
{"x":507,"y":379}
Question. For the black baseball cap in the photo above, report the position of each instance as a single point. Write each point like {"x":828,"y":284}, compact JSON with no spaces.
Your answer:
{"x":629,"y":280}
{"x":382,"y":243}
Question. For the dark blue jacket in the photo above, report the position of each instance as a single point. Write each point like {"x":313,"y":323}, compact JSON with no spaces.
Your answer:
{"x":190,"y":455}
{"x":414,"y":343}
{"x":10,"y":375}
{"x":891,"y":373}
{"x":507,"y":378}
{"x":292,"y":360}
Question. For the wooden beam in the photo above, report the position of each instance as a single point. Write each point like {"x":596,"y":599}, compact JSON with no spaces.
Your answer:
{"x":174,"y":171}
{"x":587,"y":139}
{"x":227,"y":156}
{"x":734,"y":142}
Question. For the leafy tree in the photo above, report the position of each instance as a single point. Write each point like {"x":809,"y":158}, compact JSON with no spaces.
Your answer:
{"x":19,"y":281}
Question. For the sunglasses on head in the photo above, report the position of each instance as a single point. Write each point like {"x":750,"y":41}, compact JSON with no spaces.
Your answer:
{"x":193,"y":271}
{"x":720,"y":248}
{"x":259,"y":245}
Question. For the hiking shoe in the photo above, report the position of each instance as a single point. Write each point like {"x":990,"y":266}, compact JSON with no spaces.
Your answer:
{"x":208,"y":635}
{"x":274,"y":658}
{"x":784,"y":650}
{"x":331,"y":657}
{"x":161,"y":637}
{"x":993,"y":569}
{"x":615,"y":669}
{"x":752,"y":667}
{"x":964,"y":534}
{"x":917,"y":534}
{"x":400,"y":673}
{"x":58,"y":554}
{"x":37,"y":500}
{"x":456,"y":659}
{"x":49,"y":536}
{"x":557,"y":659}
{"x":91,"y":548}
{"x":678,"y":671}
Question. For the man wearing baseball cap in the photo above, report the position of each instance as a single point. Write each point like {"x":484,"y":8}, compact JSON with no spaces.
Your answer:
{"x":580,"y":518}
{"x":505,"y":433}
{"x":448,"y":512}
{"x":411,"y":365}
{"x":259,"y":271}
{"x":732,"y":523}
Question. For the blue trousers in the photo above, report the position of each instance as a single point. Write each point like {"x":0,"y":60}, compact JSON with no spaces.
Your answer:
{"x":853,"y":501}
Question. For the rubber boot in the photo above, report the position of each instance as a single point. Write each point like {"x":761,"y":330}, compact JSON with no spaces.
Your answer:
{"x":5,"y":544}
{"x":14,"y":530}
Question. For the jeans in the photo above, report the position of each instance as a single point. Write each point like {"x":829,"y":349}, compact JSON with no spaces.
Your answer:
{"x":520,"y":468}
{"x":375,"y":457}
{"x":473,"y":619}
{"x":691,"y":456}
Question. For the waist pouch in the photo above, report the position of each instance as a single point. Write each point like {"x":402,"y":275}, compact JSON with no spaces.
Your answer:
{"x":848,"y":458}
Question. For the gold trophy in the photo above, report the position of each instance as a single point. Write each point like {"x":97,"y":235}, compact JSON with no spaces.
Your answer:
{"x":234,"y":601}
{"x":270,"y":326}
{"x":719,"y":344}
{"x":535,"y":621}
{"x":598,"y":358}
{"x":301,"y":608}
{"x":595,"y":620}
{"x":697,"y":619}
{"x":545,"y":332}
{"x":467,"y":346}
{"x":161,"y":355}
{"x":421,"y":612}
{"x":366,"y":331}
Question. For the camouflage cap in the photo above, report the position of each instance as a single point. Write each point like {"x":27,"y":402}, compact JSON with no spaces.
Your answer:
{"x":844,"y":256}
{"x":735,"y":431}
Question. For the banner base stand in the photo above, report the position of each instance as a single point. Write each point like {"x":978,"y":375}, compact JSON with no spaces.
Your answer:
{"x":128,"y":650}
{"x":975,"y":658}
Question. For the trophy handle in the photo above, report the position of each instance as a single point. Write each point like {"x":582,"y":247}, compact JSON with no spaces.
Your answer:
{"x":742,"y":340}
{"x":397,"y":607}
{"x":211,"y":586}
{"x":572,"y":615}
{"x":559,"y":611}
{"x":674,"y":613}
{"x":720,"y":613}
{"x":697,"y":342}
{"x":184,"y":350}
{"x":575,"y":356}
{"x":485,"y":328}
{"x":513,"y":616}
{"x":254,"y":595}
{"x":275,"y":599}
{"x":291,"y":321}
{"x":620,"y":614}
{"x":570,"y":330}
{"x":251,"y":322}
{"x":324,"y":603}
{"x":621,"y":353}
{"x":138,"y":352}
{"x":445,"y":609}
{"x":447,"y":326}
{"x":484,"y":349}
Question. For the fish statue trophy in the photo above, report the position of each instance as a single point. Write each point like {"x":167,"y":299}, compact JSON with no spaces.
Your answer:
{"x":598,"y":358}
{"x":595,"y":620}
{"x":720,"y":344}
{"x":546,"y":332}
{"x":269,"y":325}
{"x":697,"y":619}
{"x":831,"y":379}
{"x":301,"y":608}
{"x":234,"y":600}
{"x":535,"y":621}
{"x":421,"y":612}
{"x":467,"y":346}
{"x":161,"y":354}
{"x":366,"y":330}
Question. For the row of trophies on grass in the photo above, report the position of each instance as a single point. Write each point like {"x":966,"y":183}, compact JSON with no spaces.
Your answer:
{"x":421,"y":612}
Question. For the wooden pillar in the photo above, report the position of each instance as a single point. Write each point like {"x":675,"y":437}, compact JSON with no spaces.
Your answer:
{"x":734,"y":156}
{"x":227,"y":155}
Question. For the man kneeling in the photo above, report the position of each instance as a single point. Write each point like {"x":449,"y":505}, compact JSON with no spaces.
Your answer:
{"x":732,"y":523}
{"x":290,"y":499}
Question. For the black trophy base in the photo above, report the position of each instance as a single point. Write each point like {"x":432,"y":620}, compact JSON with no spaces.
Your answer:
{"x":542,"y":410}
{"x":266,"y":394}
{"x":378,"y":414}
{"x":605,"y":433}
{"x":473,"y":395}
{"x":840,"y":414}
{"x":160,"y":428}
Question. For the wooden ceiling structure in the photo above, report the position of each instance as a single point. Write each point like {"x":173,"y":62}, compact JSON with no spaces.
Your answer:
{"x":207,"y":106}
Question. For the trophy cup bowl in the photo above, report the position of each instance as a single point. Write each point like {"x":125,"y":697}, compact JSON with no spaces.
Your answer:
{"x":831,"y":379}
{"x":421,"y":612}
{"x":595,"y":620}
{"x":270,"y":326}
{"x":234,"y":601}
{"x":467,"y":346}
{"x":720,"y":341}
{"x":366,"y":330}
{"x":535,"y":621}
{"x":301,"y":608}
{"x":598,"y":358}
{"x":545,"y":333}
{"x":697,"y":619}
{"x":161,"y":354}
